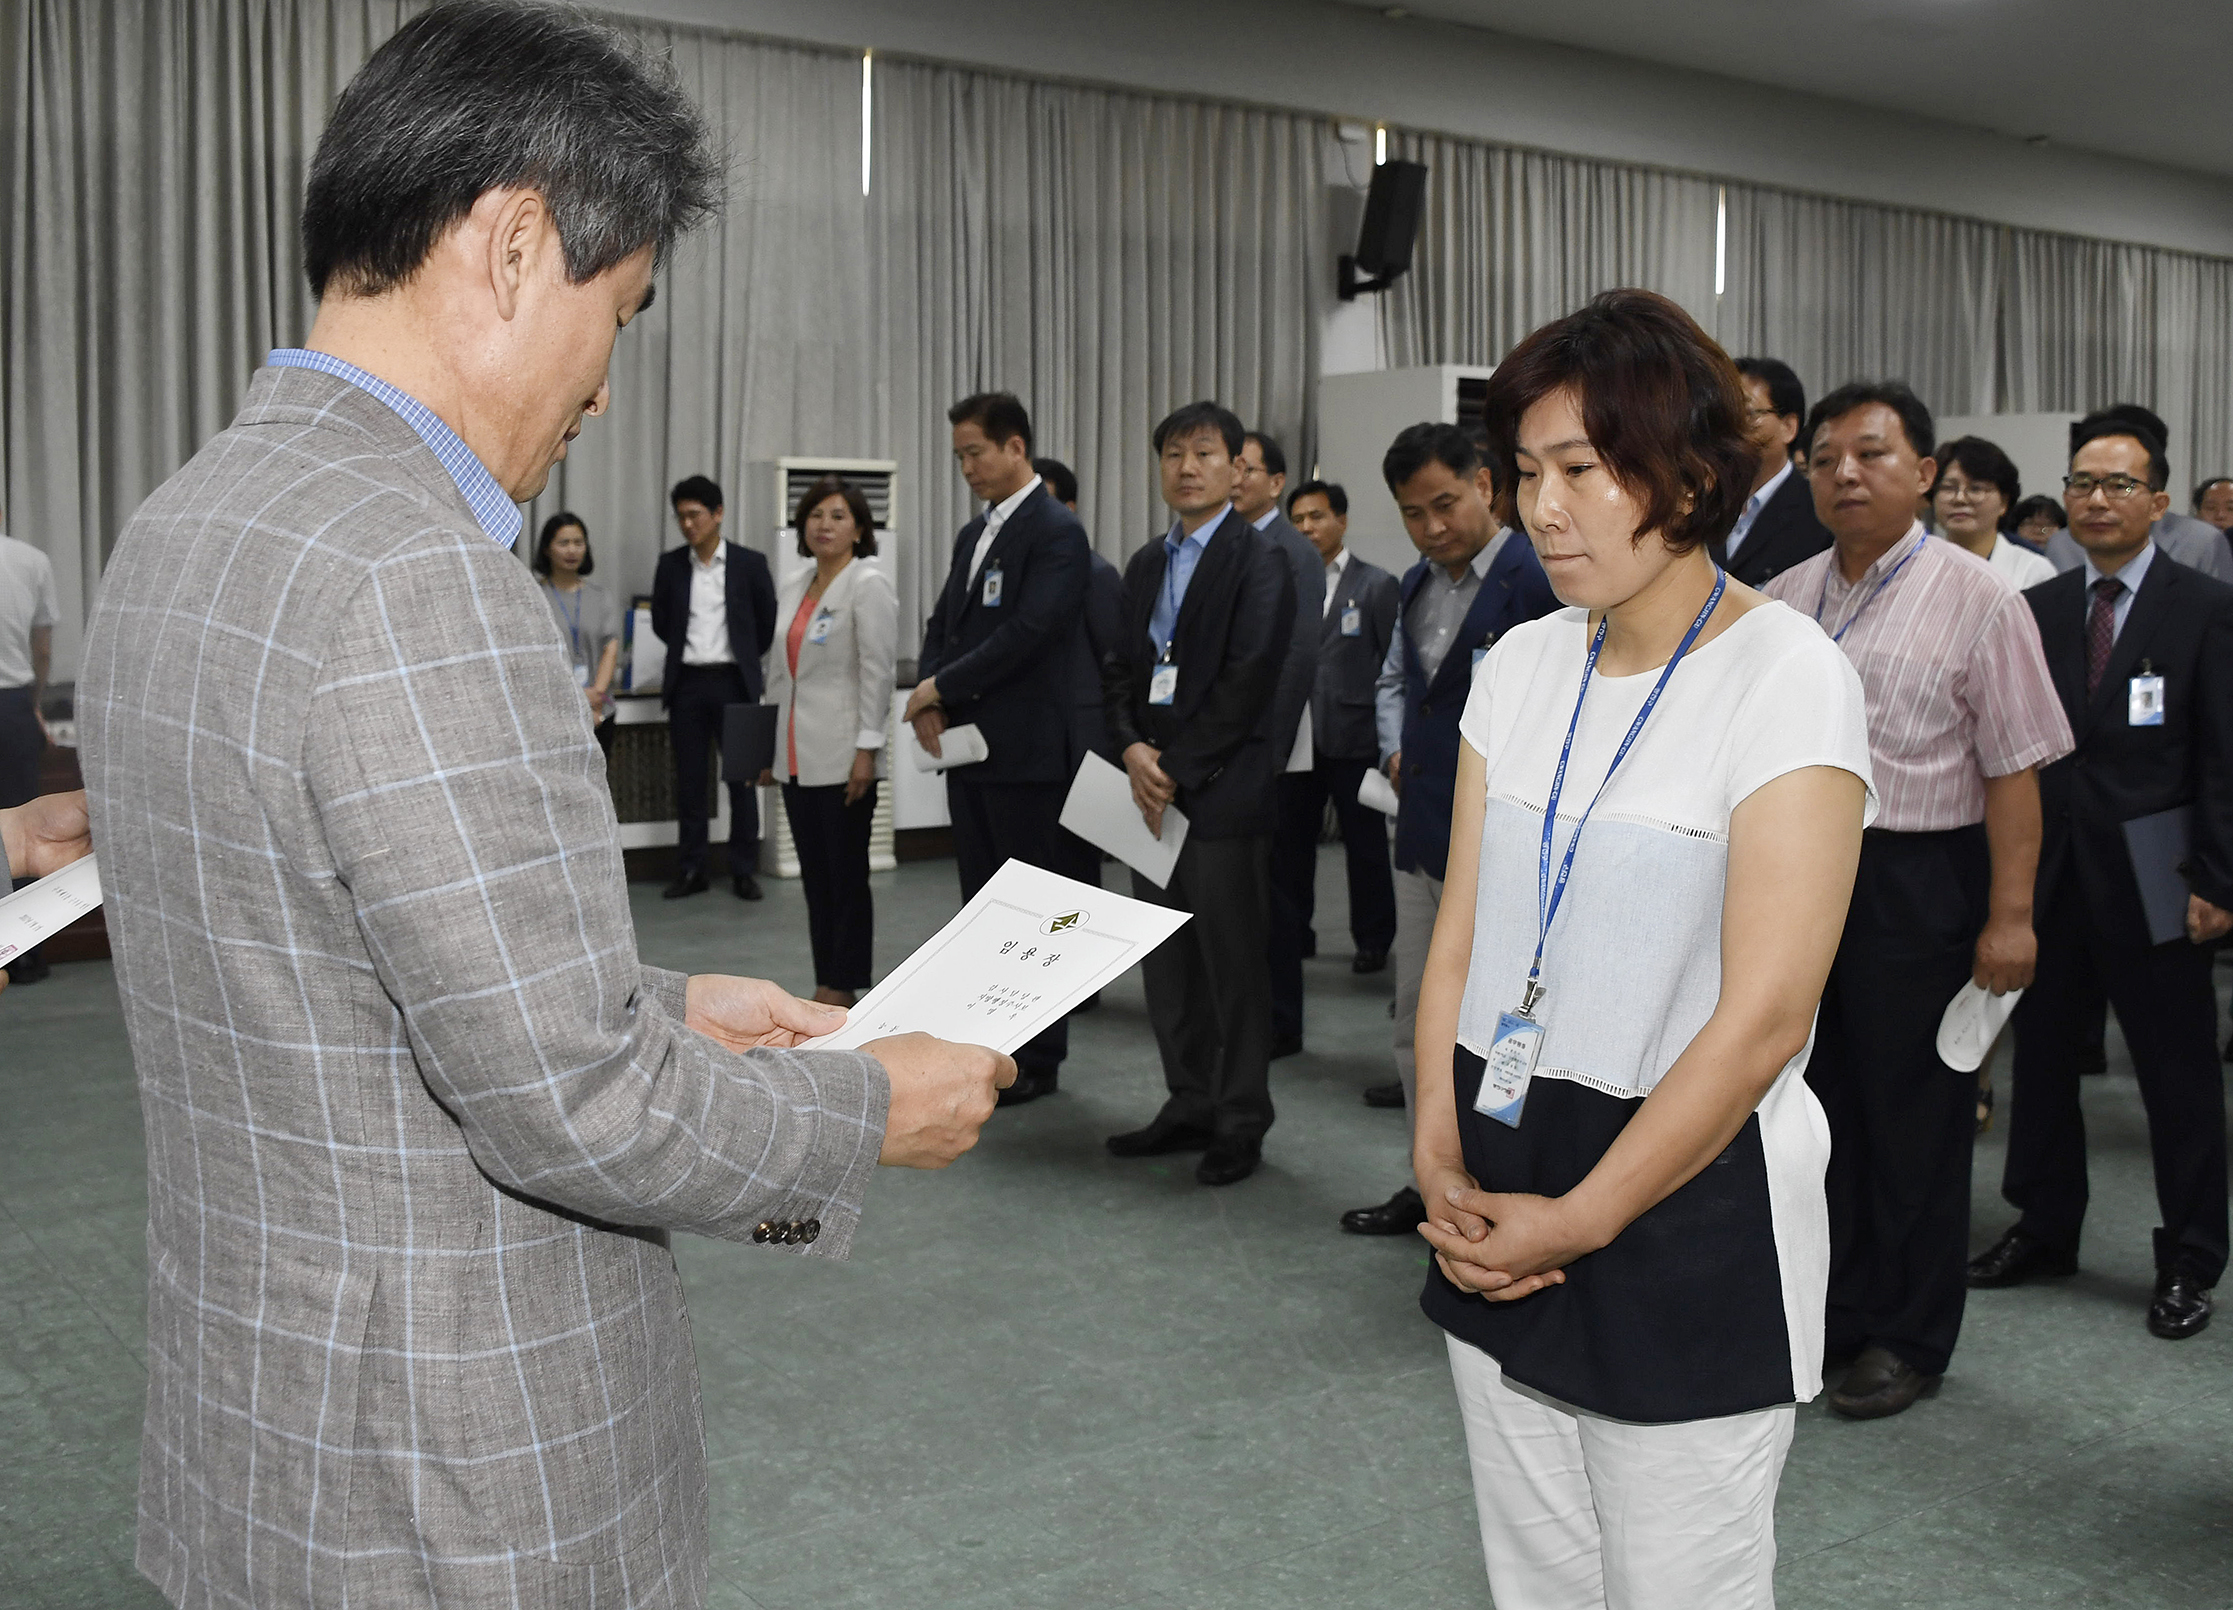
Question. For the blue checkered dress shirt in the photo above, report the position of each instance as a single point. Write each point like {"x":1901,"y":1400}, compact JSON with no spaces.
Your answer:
{"x":491,"y":504}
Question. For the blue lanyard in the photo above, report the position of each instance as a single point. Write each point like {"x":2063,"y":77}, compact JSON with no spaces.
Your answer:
{"x":573,"y":617}
{"x":1890,"y":577}
{"x":1548,"y":894}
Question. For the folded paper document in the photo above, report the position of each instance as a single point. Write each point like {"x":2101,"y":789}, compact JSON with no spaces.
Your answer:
{"x":957,"y":746}
{"x":1100,"y":810}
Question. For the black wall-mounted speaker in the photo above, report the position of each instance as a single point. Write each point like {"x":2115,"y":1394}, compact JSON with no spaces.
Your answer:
{"x":1391,"y":227}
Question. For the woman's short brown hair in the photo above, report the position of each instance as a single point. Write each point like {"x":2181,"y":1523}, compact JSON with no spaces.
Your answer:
{"x":837,"y":486}
{"x":1661,"y":401}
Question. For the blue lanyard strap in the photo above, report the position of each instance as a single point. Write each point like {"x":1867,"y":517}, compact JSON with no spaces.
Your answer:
{"x":1549,"y":893}
{"x":1890,"y":577}
{"x":573,"y":617}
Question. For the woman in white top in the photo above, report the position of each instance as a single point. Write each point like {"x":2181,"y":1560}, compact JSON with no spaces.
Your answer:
{"x":1973,"y":503}
{"x":586,"y":615}
{"x":1621,"y":1161}
{"x":830,"y":677}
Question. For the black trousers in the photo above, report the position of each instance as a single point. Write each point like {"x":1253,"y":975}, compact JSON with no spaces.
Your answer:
{"x":994,"y":822}
{"x":1902,"y":1123}
{"x":832,"y":840}
{"x":2167,"y":1007}
{"x":694,"y":721}
{"x":1301,"y":801}
{"x":1209,"y":988}
{"x":22,"y":743}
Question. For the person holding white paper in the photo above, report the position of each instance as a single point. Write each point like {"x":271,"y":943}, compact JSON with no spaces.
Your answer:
{"x":44,"y":836}
{"x":1659,"y":806}
{"x":1190,"y":693}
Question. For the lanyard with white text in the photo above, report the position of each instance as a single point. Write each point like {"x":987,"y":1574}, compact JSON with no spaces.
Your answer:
{"x":1890,"y":577}
{"x":1548,"y":893}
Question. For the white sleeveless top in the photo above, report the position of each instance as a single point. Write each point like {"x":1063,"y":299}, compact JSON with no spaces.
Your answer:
{"x":1632,"y":970}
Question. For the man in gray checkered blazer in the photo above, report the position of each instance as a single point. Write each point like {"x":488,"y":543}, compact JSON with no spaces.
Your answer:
{"x":418,"y":1120}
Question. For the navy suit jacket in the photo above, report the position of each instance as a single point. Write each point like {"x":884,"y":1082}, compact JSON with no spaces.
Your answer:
{"x":749,"y":595}
{"x":2181,"y":629}
{"x":1104,"y":620}
{"x":1513,"y":592}
{"x":1787,"y":531}
{"x":1010,"y":667}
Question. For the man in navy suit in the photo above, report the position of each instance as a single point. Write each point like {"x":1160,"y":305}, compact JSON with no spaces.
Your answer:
{"x":1777,"y":527}
{"x":2141,"y":650}
{"x":1472,"y":584}
{"x":999,"y":654}
{"x":713,"y":605}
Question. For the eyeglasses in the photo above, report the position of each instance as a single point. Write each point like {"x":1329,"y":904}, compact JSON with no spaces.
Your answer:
{"x":1967,"y":491}
{"x":2118,"y":487}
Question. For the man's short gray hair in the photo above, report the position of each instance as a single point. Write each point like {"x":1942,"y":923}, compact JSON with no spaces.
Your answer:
{"x":479,"y":95}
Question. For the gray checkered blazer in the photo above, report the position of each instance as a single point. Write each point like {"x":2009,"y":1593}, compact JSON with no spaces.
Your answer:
{"x":418,"y":1120}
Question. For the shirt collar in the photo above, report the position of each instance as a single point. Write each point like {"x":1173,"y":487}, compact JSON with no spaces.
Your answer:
{"x":1481,"y":561}
{"x":1266,"y":518}
{"x":1769,"y":488}
{"x":1883,"y":563}
{"x":1339,"y":562}
{"x":2135,"y":569}
{"x":492,"y":506}
{"x":998,"y":514}
{"x":1175,"y":538}
{"x":719,"y":561}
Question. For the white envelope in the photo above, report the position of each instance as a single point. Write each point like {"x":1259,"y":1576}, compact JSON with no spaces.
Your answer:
{"x":1099,"y":810}
{"x":1376,"y":793}
{"x":957,"y":746}
{"x":1972,"y":1022}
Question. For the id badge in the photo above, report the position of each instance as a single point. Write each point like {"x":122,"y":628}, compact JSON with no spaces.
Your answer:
{"x":1509,"y":1067}
{"x":2144,"y":703}
{"x":992,"y":589}
{"x":1163,"y":684}
{"x":819,"y":632}
{"x":1352,"y":622}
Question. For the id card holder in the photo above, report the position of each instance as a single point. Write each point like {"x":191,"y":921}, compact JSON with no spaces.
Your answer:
{"x":2144,"y":702}
{"x":992,"y":588}
{"x":1509,"y":1068}
{"x":819,"y":632}
{"x":1163,"y":684}
{"x":1352,"y":622}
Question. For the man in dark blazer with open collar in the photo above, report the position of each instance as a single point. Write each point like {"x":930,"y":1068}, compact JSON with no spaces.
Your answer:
{"x":1472,"y":584}
{"x":1351,"y":607}
{"x":1208,"y":614}
{"x":2141,"y":650}
{"x":998,"y":653}
{"x":708,"y":669}
{"x":1777,"y":527}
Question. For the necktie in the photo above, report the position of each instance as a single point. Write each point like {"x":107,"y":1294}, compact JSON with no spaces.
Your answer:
{"x":2101,"y":628}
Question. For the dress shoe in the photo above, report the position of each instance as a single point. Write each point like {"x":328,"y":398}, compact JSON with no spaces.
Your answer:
{"x":1286,"y":1045}
{"x":1228,"y":1161}
{"x":2181,"y":1307}
{"x":1030,"y":1085}
{"x":1368,"y":961}
{"x":2015,"y":1258}
{"x":746,"y":885}
{"x":1158,"y":1138}
{"x":685,"y":883}
{"x":1399,"y":1215}
{"x":1880,"y":1383}
{"x":1387,"y":1095}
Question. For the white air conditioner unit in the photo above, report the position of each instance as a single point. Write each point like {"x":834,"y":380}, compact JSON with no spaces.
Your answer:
{"x":773,"y":487}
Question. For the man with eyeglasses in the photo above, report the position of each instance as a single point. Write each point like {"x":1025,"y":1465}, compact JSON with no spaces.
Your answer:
{"x":1777,"y":528}
{"x":2194,"y":543}
{"x":2141,"y":648}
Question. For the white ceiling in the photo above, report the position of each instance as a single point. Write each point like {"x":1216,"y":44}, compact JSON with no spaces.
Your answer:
{"x":2146,"y":79}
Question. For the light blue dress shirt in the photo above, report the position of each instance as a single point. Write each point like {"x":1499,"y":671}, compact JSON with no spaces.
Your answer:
{"x":1181,"y":553}
{"x":492,"y":506}
{"x":2134,"y":572}
{"x":1753,"y":505}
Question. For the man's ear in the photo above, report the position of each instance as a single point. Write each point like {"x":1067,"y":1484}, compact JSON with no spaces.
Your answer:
{"x":518,"y":235}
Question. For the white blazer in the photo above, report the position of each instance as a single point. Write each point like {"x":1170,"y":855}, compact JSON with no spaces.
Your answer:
{"x":842,"y":695}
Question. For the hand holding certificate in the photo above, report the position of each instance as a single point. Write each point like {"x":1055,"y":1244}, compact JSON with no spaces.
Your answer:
{"x":31,"y":916}
{"x":1100,"y":809}
{"x":1027,"y":949}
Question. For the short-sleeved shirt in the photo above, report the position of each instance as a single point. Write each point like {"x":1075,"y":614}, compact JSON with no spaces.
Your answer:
{"x":26,"y":604}
{"x":588,"y":619}
{"x":1957,"y":684}
{"x":1711,"y":1303}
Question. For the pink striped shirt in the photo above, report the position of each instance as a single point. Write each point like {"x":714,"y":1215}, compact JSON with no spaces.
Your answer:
{"x":1956,"y":683}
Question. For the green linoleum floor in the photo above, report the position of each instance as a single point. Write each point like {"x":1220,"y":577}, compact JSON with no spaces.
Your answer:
{"x":1051,"y":1379}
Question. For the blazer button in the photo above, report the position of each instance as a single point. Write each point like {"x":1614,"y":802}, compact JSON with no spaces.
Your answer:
{"x":813,"y":1228}
{"x":763,"y":1232}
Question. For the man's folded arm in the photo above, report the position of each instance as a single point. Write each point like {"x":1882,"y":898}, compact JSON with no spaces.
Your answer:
{"x":450,"y":760}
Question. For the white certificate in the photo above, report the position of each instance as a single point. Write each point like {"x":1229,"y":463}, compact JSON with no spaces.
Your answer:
{"x":957,"y":746}
{"x":31,"y":916}
{"x":1376,"y":793}
{"x":1099,"y":809}
{"x":1027,"y":949}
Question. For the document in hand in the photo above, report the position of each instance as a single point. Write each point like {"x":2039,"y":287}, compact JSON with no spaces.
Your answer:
{"x":1376,"y":793}
{"x":2159,"y":847}
{"x":1032,"y":945}
{"x":34,"y":915}
{"x":957,"y":746}
{"x":1099,"y":810}
{"x":747,"y":741}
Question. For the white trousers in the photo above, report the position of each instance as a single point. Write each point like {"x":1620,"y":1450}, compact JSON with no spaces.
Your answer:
{"x":1583,"y":1513}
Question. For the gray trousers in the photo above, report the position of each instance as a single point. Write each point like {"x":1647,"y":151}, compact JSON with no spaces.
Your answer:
{"x":1418,"y":900}
{"x":1209,"y":988}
